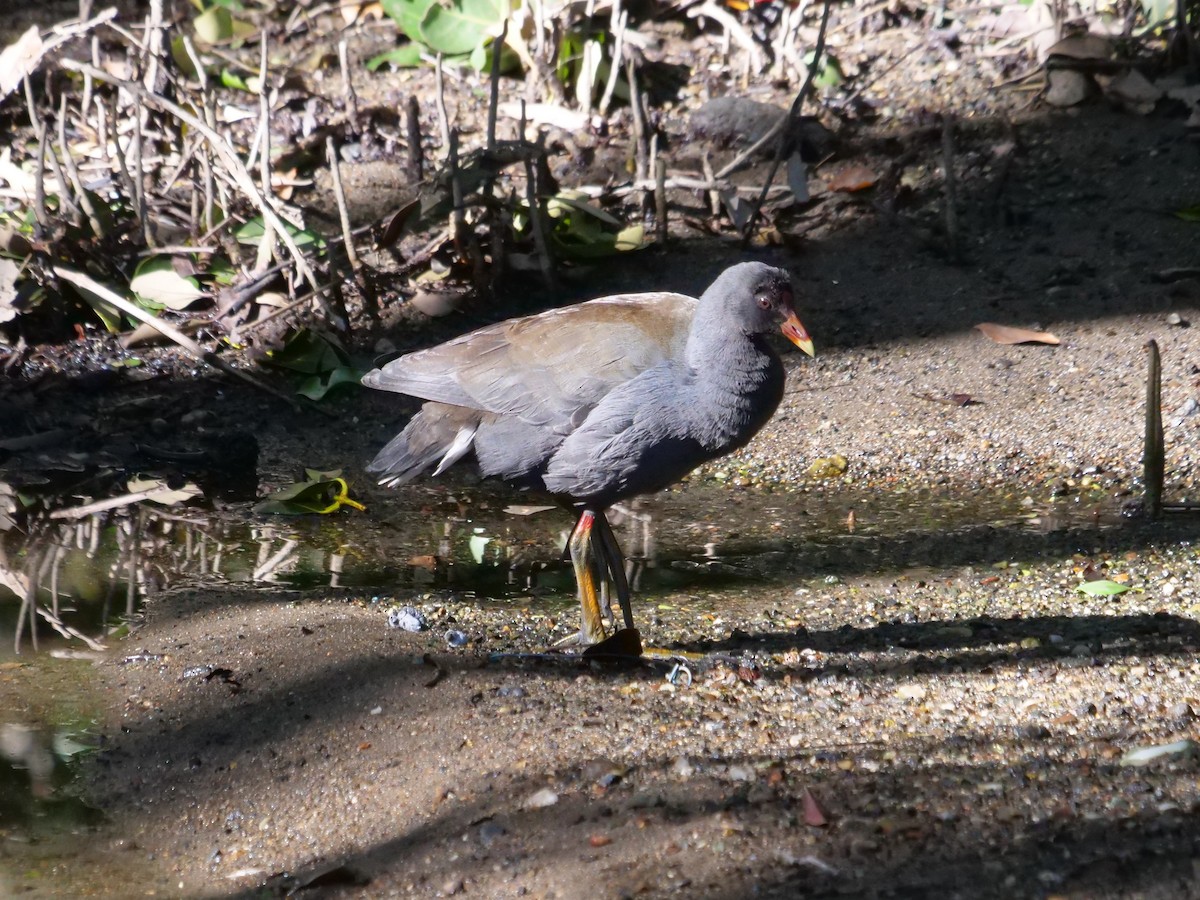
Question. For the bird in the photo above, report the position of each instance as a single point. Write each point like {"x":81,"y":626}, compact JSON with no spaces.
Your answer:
{"x":597,"y":402}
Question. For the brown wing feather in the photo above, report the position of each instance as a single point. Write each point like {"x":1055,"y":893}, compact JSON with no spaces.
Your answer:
{"x":532,"y":367}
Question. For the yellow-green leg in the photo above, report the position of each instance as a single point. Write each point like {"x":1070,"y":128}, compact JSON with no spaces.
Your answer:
{"x":586,"y":564}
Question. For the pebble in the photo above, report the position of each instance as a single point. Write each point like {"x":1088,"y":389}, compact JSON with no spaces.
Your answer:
{"x":682,"y":767}
{"x":490,"y":832}
{"x":739,"y":772}
{"x":407,"y":618}
{"x":540,"y":799}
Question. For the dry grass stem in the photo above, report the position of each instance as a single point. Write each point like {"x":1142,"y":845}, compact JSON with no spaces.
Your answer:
{"x":660,"y":199}
{"x":779,"y":132}
{"x":440,"y":97}
{"x":189,"y":346}
{"x":537,"y":218}
{"x":734,"y":29}
{"x":620,"y":21}
{"x":494,"y":95}
{"x":236,"y":170}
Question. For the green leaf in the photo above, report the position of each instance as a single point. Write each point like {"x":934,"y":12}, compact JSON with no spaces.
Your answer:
{"x":221,"y":271}
{"x":407,"y":14}
{"x":157,"y":281}
{"x":214,"y":25}
{"x":578,"y":201}
{"x":1102,"y":588}
{"x":1189,"y":213}
{"x":1157,"y":11}
{"x":233,"y":81}
{"x":322,"y":493}
{"x":182,"y":58}
{"x":316,"y":387}
{"x":830,"y":74}
{"x":107,"y":313}
{"x":310,"y":353}
{"x":631,"y":238}
{"x":462,"y":25}
{"x":252,"y":233}
{"x":405,"y":57}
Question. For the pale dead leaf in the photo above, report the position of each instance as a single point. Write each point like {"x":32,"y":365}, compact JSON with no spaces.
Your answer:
{"x":1005,"y":334}
{"x":19,"y":59}
{"x":9,"y":270}
{"x":546,"y":114}
{"x":854,"y":177}
{"x":814,"y":814}
{"x":1086,"y":47}
{"x":272,"y":298}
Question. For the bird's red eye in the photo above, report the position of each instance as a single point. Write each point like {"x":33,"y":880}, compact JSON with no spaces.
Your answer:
{"x":763,"y":301}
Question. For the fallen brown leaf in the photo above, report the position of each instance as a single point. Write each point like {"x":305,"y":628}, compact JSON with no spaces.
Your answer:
{"x":853,"y":177}
{"x":814,"y":815}
{"x":1004,"y":334}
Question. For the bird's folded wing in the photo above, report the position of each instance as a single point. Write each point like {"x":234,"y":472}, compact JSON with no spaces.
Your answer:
{"x":549,"y":369}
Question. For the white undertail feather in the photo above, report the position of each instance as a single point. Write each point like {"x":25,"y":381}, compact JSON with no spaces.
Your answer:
{"x":457,"y":450}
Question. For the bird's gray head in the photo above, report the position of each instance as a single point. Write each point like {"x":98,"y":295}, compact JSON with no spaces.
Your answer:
{"x":757,"y":298}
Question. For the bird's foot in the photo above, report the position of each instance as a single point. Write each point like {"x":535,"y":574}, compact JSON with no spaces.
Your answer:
{"x":623,"y":642}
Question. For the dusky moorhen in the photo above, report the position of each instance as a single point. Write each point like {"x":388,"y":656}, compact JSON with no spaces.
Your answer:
{"x":599,"y":401}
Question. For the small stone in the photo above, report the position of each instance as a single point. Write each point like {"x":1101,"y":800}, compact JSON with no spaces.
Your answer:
{"x":490,"y":832}
{"x":540,"y":799}
{"x":1143,"y":756}
{"x":1182,"y":710}
{"x":452,"y":886}
{"x":407,"y":618}
{"x":739,"y":772}
{"x":1035,"y":731}
{"x":682,"y":767}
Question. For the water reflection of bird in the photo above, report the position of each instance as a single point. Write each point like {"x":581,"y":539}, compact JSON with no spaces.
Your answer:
{"x":599,"y":401}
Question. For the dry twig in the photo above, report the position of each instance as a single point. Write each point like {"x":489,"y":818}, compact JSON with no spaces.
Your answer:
{"x":193,"y":349}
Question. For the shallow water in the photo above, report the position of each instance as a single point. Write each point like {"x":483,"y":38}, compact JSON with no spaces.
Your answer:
{"x":94,"y":575}
{"x":694,"y":551}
